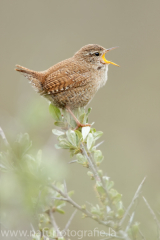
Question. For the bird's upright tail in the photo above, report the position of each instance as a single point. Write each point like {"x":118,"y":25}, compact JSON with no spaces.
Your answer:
{"x":35,"y":78}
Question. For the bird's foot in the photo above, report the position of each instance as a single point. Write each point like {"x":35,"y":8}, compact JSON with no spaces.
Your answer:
{"x":82,"y":125}
{"x":76,"y":120}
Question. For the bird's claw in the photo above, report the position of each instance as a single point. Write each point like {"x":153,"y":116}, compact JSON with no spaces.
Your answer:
{"x":82,"y":125}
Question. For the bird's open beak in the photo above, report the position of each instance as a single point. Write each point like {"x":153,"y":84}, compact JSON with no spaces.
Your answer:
{"x":104,"y":60}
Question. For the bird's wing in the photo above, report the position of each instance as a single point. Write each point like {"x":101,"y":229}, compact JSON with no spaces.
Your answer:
{"x":64,"y":79}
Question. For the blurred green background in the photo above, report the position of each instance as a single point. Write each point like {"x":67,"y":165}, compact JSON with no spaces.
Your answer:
{"x":38,"y":34}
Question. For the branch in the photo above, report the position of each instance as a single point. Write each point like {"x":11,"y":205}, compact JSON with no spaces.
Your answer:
{"x":74,"y":204}
{"x":98,"y":144}
{"x":132,"y":202}
{"x":142,"y":236}
{"x":154,"y":216}
{"x":54,"y":224}
{"x":95,"y":172}
{"x":130,"y":221}
{"x":69,"y":221}
{"x":91,"y":163}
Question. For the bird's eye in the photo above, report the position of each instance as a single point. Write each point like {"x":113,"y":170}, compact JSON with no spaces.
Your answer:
{"x":97,"y":53}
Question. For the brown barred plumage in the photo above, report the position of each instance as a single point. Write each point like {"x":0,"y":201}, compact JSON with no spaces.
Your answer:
{"x":73,"y":82}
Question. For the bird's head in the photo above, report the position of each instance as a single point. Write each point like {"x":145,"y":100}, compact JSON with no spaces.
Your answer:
{"x":94,"y":55}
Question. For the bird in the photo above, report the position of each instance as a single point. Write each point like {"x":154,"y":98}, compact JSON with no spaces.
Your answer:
{"x":73,"y":82}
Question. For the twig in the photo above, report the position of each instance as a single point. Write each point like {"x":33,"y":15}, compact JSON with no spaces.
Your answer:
{"x":140,"y":232}
{"x":54,"y":224}
{"x":69,"y":221}
{"x":130,"y":221}
{"x":59,"y":198}
{"x":73,"y":161}
{"x":95,"y":172}
{"x":142,"y":235}
{"x":154,"y":216}
{"x":98,"y":144}
{"x":91,"y":164}
{"x":132,"y":202}
{"x":74,"y":204}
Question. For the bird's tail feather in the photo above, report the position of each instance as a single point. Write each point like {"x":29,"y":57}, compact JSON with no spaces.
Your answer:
{"x":33,"y":76}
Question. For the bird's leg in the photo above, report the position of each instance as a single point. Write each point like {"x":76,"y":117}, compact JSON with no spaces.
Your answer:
{"x":76,"y":120}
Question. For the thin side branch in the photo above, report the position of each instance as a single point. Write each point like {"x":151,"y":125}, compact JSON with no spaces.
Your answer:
{"x":142,"y":236}
{"x":95,"y":172}
{"x":154,"y":216}
{"x":69,"y":221}
{"x":91,"y":164}
{"x":54,"y":224}
{"x":68,"y":199}
{"x":98,"y":144}
{"x":130,"y":221}
{"x":132,"y":202}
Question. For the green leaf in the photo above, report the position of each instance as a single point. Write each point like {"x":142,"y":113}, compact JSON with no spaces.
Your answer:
{"x":97,"y":135}
{"x":79,"y":134}
{"x":74,"y":151}
{"x":65,"y":144}
{"x":60,"y":210}
{"x":90,"y":141}
{"x":82,"y":118}
{"x":134,"y":230}
{"x":93,"y":130}
{"x":88,"y":112}
{"x":62,"y":137}
{"x":57,"y":132}
{"x":55,"y":112}
{"x":100,"y":188}
{"x":100,"y":172}
{"x":90,"y":174}
{"x":81,"y":159}
{"x":43,"y":218}
{"x":71,"y":135}
{"x":98,"y":157}
{"x":36,"y":236}
{"x":109,"y":185}
{"x":96,"y":210}
{"x":120,"y":209}
{"x":115,"y":196}
{"x":60,"y":124}
{"x":85,"y":131}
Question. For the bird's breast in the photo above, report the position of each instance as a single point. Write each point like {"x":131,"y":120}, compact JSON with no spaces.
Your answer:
{"x":103,"y":76}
